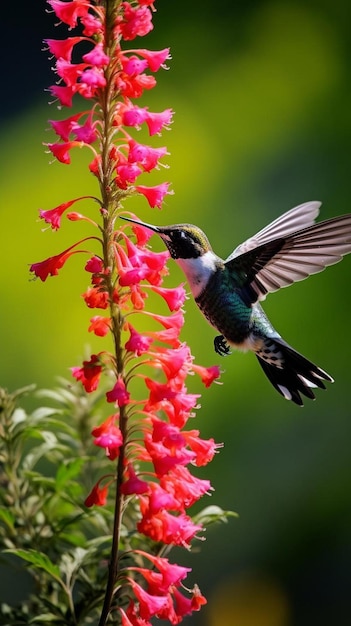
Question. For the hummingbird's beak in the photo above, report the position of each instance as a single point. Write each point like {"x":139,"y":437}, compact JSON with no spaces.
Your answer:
{"x":155,"y":229}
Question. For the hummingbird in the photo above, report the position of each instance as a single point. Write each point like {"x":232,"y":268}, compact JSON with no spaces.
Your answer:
{"x":228,"y":292}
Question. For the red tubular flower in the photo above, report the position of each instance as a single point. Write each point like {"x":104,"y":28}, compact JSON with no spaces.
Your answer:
{"x":96,"y":299}
{"x":170,"y":529}
{"x":208,"y":374}
{"x":205,"y":449}
{"x":147,"y":433}
{"x":99,"y":325}
{"x":136,"y":621}
{"x":52,"y":265}
{"x":172,"y":574}
{"x":185,"y":606}
{"x":185,"y":488}
{"x":89,"y":374}
{"x":98,"y":496}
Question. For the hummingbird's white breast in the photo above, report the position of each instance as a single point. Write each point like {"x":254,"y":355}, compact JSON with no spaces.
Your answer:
{"x":199,"y":270}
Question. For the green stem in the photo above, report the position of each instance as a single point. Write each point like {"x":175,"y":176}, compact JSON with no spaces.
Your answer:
{"x":110,"y":200}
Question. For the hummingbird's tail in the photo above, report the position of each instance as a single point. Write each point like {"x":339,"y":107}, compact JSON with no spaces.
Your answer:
{"x":290,"y":372}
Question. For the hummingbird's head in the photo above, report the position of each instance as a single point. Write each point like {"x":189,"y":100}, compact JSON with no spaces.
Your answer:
{"x":184,"y":241}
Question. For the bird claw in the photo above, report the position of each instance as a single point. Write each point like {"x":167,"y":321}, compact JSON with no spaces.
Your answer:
{"x":221,"y":346}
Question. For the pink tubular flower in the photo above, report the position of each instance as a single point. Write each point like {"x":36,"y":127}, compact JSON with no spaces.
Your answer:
{"x":53,"y":216}
{"x":157,"y":121}
{"x":207,"y":374}
{"x":149,"y":604}
{"x":86,"y":132}
{"x":94,"y":265}
{"x":154,"y":195}
{"x":135,"y":116}
{"x":118,"y":394}
{"x":174,"y":298}
{"x":145,"y":156}
{"x":108,"y":436}
{"x":137,"y":343}
{"x":63,"y":93}
{"x":62,"y":48}
{"x":146,"y":366}
{"x":136,"y":22}
{"x":63,"y":128}
{"x":133,"y":484}
{"x":155,"y":58}
{"x":96,"y":56}
{"x":61,"y":150}
{"x":127,"y":173}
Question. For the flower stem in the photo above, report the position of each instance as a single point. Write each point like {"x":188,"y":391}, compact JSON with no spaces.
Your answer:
{"x":113,"y":565}
{"x":110,"y":199}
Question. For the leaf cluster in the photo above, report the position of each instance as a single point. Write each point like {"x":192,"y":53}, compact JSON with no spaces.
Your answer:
{"x":43,"y":521}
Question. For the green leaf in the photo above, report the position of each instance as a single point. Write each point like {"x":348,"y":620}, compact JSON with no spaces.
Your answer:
{"x":46,"y":618}
{"x":66,"y":472}
{"x":213,"y":514}
{"x":43,"y":412}
{"x":38,"y":559}
{"x":7,"y":517}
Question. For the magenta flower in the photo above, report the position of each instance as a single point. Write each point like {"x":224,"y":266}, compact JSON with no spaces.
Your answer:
{"x":154,"y":195}
{"x":118,"y":394}
{"x":108,"y":436}
{"x":145,"y":369}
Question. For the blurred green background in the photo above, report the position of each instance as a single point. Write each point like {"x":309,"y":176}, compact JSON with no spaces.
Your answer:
{"x":262,"y":95}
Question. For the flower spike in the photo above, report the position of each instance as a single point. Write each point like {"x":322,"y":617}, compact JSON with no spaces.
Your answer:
{"x":143,"y":377}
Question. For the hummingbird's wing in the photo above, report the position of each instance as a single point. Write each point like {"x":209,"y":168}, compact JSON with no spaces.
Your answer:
{"x":300,"y":217}
{"x":289,"y":258}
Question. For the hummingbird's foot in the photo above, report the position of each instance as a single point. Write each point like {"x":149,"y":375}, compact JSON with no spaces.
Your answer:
{"x":221,"y":346}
